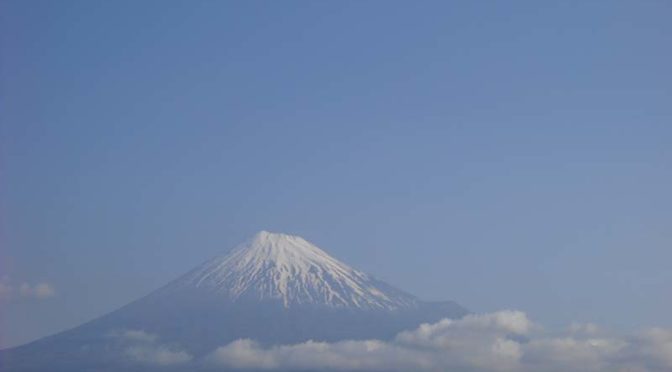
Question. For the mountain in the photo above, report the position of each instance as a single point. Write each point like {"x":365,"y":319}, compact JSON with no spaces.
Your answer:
{"x":290,"y":270}
{"x":274,"y":288}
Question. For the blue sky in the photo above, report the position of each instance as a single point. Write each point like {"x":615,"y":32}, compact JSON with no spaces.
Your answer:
{"x":504,"y":155}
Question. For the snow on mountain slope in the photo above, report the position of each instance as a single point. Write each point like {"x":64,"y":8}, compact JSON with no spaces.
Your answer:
{"x":289,"y":269}
{"x":274,"y":289}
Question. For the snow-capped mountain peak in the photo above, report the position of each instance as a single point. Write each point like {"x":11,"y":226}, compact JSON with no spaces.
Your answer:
{"x":289,"y":269}
{"x":274,"y":289}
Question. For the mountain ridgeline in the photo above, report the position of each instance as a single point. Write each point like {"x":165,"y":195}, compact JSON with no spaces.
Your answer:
{"x":274,"y":288}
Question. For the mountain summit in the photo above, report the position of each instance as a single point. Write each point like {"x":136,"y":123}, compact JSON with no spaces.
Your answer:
{"x":274,"y":289}
{"x":289,"y":269}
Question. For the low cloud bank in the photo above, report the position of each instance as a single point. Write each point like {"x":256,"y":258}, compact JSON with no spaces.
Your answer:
{"x":501,"y":341}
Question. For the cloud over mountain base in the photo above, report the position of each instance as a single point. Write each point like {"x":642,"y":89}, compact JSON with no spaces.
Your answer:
{"x":501,"y":341}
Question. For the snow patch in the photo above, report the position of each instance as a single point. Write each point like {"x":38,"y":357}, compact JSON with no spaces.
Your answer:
{"x":289,"y":269}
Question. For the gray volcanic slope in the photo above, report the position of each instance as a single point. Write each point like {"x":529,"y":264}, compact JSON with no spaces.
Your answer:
{"x":275,"y":288}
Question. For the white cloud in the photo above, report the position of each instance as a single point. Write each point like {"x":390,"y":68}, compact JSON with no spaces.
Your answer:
{"x":569,"y":353}
{"x":345,"y":355}
{"x":39,"y":291}
{"x":501,"y":341}
{"x":138,"y":335}
{"x":143,"y":347}
{"x":651,"y":349}
{"x":583,"y":328}
{"x":159,"y":355}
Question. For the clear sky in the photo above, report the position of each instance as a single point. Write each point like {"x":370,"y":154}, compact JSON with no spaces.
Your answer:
{"x":509,"y":154}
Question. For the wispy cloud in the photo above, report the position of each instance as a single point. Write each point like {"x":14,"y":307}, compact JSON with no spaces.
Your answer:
{"x":38,"y":291}
{"x":144,"y":347}
{"x":135,"y":335}
{"x":501,"y":341}
{"x":156,"y":354}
